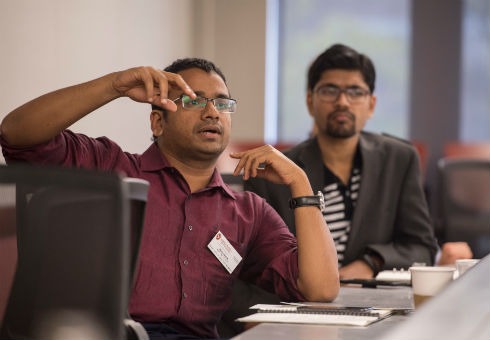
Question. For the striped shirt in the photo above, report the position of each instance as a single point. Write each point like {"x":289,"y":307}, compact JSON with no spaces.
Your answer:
{"x":340,"y":201}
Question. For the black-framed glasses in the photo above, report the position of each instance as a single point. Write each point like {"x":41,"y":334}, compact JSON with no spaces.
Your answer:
{"x":224,"y":105}
{"x":330,"y":93}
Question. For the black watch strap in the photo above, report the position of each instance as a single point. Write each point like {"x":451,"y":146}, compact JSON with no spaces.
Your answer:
{"x":308,"y":201}
{"x":371,"y":262}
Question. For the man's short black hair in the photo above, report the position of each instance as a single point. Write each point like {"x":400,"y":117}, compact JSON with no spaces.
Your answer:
{"x":187,"y":63}
{"x":343,"y":57}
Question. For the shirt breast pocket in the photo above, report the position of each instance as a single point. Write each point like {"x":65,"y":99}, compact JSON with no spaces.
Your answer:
{"x":218,"y":282}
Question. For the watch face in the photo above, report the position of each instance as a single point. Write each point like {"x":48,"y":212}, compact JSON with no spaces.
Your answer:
{"x":322,"y":201}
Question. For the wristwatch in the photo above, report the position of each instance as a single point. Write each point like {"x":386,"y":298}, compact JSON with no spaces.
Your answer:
{"x":308,"y":201}
{"x":372,"y":263}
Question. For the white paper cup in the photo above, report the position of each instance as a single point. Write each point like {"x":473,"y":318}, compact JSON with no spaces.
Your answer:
{"x":463,"y":265}
{"x":428,"y":281}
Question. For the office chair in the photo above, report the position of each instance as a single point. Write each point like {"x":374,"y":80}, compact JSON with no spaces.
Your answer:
{"x":138,"y":195}
{"x":464,"y":204}
{"x":235,"y":182}
{"x":8,"y":244}
{"x":74,"y":254}
{"x":456,"y":149}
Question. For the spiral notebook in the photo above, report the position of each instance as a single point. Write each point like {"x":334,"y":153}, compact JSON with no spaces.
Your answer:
{"x":346,"y":316}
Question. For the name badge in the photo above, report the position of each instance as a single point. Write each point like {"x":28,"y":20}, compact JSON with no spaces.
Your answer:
{"x":224,"y":252}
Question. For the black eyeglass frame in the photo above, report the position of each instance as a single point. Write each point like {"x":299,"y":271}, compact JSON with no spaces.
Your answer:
{"x":202,"y":105}
{"x":354,"y":94}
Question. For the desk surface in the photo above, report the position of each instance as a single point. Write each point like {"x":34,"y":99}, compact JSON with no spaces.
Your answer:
{"x":385,"y":297}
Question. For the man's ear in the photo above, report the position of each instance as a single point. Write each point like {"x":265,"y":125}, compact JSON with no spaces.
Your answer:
{"x":156,"y":122}
{"x":309,"y":102}
{"x":372,"y":105}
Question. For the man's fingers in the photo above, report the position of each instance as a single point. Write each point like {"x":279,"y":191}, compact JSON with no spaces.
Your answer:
{"x":146,"y":77}
{"x":157,"y":82}
{"x":176,"y":80}
{"x":251,"y":162}
{"x":168,"y":105}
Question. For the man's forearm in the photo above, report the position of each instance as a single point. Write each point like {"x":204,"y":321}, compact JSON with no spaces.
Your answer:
{"x":44,"y":117}
{"x":318,"y":273}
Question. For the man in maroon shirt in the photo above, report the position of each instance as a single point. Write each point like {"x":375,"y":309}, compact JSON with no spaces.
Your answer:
{"x":199,"y":235}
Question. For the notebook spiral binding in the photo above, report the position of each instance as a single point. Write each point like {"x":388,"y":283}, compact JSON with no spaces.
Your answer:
{"x":321,"y":311}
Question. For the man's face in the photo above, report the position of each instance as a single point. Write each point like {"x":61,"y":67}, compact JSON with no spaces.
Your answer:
{"x":341,"y":117}
{"x":200,"y":135}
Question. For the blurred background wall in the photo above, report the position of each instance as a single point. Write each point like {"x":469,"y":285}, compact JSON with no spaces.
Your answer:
{"x":432,"y":59}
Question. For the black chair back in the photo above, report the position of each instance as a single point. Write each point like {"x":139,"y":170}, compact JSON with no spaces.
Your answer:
{"x":74,"y":254}
{"x":464,"y":211}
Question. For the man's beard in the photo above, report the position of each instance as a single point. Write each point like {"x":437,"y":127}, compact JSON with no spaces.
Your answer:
{"x":338,"y":130}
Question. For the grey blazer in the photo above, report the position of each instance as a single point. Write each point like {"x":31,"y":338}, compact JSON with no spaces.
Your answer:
{"x":391,"y":215}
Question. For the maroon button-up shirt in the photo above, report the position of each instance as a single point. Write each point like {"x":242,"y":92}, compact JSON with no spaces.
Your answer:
{"x":179,"y":281}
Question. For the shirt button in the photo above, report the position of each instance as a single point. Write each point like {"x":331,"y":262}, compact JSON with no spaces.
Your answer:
{"x":184,"y":295}
{"x":186,"y":262}
{"x":190,"y":227}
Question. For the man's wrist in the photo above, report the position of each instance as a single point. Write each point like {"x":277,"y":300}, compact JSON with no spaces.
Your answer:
{"x":301,"y":185}
{"x":308,"y":201}
{"x":374,"y":262}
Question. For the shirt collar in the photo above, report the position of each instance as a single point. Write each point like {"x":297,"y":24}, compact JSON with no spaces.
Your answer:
{"x":217,"y":182}
{"x":154,"y":160}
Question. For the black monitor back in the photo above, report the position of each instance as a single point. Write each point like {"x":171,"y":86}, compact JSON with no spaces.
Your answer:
{"x":73,"y":253}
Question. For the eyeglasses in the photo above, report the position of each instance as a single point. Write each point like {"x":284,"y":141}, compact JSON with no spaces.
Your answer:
{"x":223,"y":105}
{"x":331,"y":93}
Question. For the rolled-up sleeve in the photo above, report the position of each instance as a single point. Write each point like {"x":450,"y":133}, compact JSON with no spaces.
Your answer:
{"x":272,"y":261}
{"x":67,"y":149}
